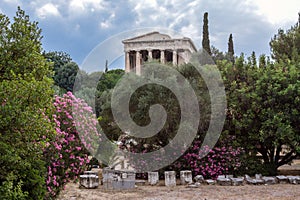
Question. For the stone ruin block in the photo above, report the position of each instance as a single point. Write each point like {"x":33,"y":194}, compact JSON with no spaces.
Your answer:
{"x":96,"y":171}
{"x":118,"y":179}
{"x":194,"y":185}
{"x":221,"y":180}
{"x":229,"y":176}
{"x":252,"y":181}
{"x":221,"y":176}
{"x":237,"y":181}
{"x":269,"y":180}
{"x":186,"y":177}
{"x":170,"y":178}
{"x":282,"y":179}
{"x":199,"y":179}
{"x":258,"y":176}
{"x":89,"y":181}
{"x":90,"y":173}
{"x":210,"y":182}
{"x":153,"y":178}
{"x":294,"y":179}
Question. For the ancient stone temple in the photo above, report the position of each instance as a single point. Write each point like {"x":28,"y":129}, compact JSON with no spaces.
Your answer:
{"x":156,"y":46}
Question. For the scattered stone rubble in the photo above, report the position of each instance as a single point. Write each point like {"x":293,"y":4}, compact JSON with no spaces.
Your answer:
{"x":118,"y":179}
{"x":294,"y":179}
{"x":125,"y":179}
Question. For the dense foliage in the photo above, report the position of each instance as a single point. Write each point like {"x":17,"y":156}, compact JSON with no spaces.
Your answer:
{"x":26,"y":101}
{"x":65,"y":70}
{"x":263,"y":113}
{"x":148,"y":95}
{"x":285,"y":46}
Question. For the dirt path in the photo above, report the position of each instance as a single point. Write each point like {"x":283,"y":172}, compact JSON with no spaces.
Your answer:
{"x":208,"y":192}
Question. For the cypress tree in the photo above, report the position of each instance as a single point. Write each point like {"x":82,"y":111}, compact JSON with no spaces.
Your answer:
{"x":253,"y":59}
{"x":205,"y":37}
{"x":230,"y":49}
{"x":106,"y":66}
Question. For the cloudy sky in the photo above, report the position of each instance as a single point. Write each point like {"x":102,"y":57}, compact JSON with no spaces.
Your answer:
{"x":78,"y":26}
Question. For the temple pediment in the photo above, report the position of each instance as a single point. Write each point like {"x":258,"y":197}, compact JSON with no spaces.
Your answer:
{"x":153,"y":36}
{"x":156,"y":46}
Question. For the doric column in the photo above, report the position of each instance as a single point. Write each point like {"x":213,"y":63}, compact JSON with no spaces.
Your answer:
{"x":138,"y":63}
{"x":149,"y":54}
{"x":127,"y":62}
{"x":162,"y":56}
{"x":174,"y":57}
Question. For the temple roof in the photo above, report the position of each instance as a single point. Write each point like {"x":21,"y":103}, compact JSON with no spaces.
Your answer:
{"x":156,"y":37}
{"x":152,"y":36}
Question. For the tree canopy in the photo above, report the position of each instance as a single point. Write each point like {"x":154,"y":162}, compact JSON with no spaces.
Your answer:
{"x":286,"y":45}
{"x":26,"y":105}
{"x":263,"y":113}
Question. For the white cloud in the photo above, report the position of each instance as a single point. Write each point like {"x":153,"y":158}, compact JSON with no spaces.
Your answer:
{"x":108,"y":22}
{"x":252,"y":22}
{"x":13,"y":2}
{"x":48,"y":9}
{"x":82,"y":6}
{"x":278,"y":11}
{"x":192,"y":32}
{"x":104,"y":25}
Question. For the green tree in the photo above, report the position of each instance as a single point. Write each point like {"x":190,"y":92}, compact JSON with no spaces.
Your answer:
{"x":205,"y":35}
{"x":63,"y":75}
{"x":109,"y":79}
{"x":286,"y":45}
{"x":26,"y":101}
{"x":66,"y":76}
{"x":150,"y":94}
{"x":252,"y":60}
{"x":58,"y":58}
{"x":262,"y":61}
{"x":230,"y":49}
{"x":106,"y":66}
{"x":217,"y":55}
{"x":15,"y":39}
{"x":107,"y":82}
{"x":263,"y":112}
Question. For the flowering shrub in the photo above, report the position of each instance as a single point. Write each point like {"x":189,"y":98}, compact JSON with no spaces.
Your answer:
{"x":209,"y":162}
{"x":67,"y":154}
{"x":201,"y":161}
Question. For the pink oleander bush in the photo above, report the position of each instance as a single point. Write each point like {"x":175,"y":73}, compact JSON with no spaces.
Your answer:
{"x":220,"y":160}
{"x":210,"y":162}
{"x":67,"y":154}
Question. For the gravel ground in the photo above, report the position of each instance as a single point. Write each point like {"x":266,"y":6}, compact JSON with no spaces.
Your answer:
{"x":208,"y":192}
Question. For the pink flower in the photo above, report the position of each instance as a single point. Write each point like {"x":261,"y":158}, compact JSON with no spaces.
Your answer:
{"x":78,"y":148}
